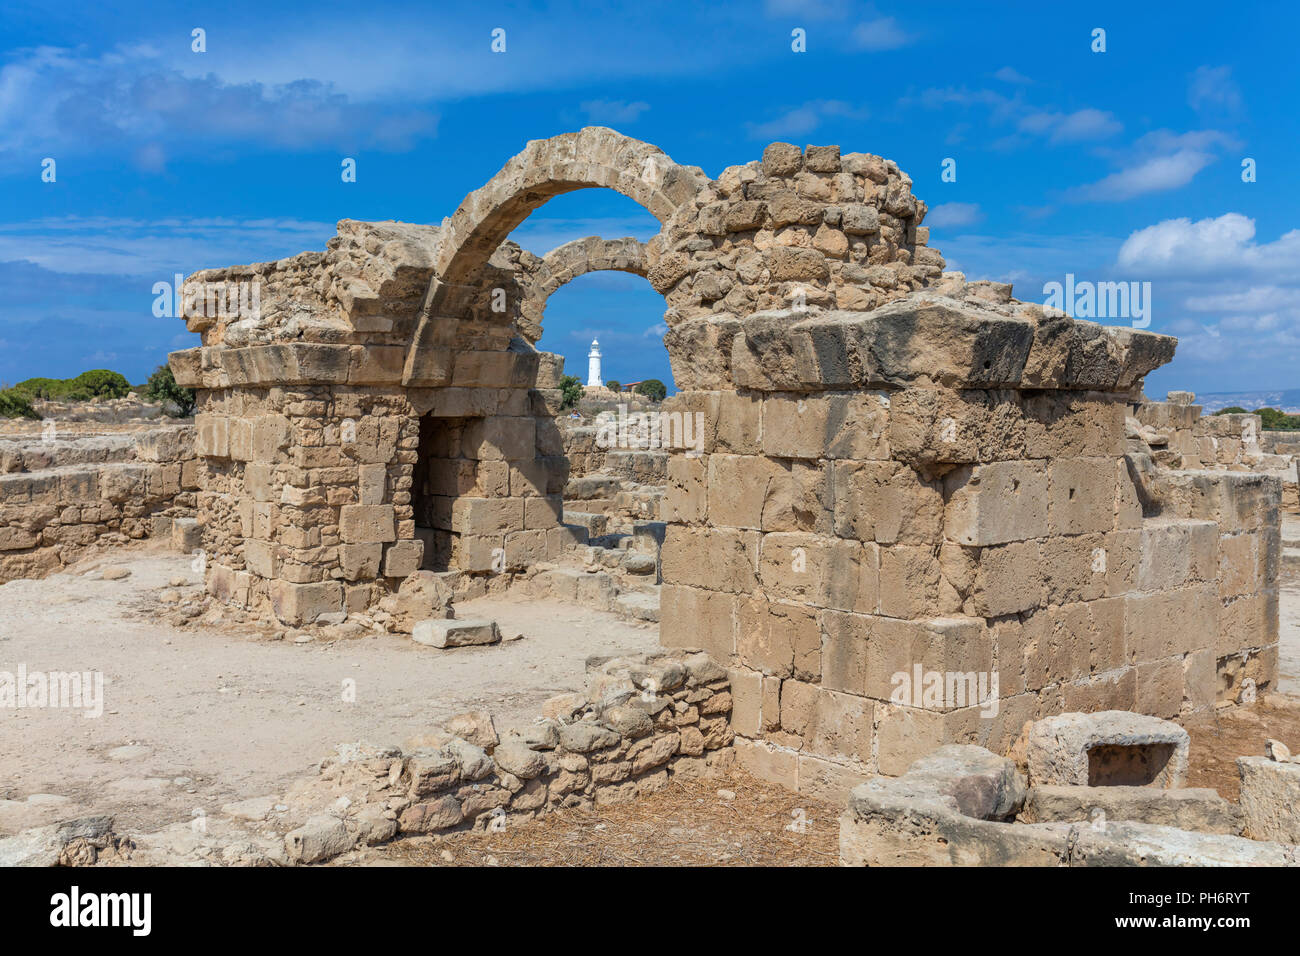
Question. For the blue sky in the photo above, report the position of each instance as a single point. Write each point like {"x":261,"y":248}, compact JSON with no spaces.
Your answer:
{"x":1122,"y":165}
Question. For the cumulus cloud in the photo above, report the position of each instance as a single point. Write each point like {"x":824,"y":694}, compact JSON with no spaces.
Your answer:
{"x":804,"y":119}
{"x":1233,"y":300}
{"x":951,"y":214}
{"x":1084,"y":124}
{"x":1010,"y":74}
{"x":155,"y":248}
{"x":1220,"y":246}
{"x":1213,"y":88}
{"x":55,"y":99}
{"x":613,"y":111}
{"x":1157,"y":162}
{"x":880,"y":34}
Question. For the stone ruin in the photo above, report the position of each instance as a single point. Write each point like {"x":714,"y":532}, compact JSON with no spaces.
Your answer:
{"x":897,"y":469}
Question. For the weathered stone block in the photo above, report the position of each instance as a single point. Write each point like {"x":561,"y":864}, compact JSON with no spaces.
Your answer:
{"x":1108,"y":748}
{"x":996,"y":503}
{"x":1270,"y":794}
{"x":441,"y":632}
{"x":367,"y":524}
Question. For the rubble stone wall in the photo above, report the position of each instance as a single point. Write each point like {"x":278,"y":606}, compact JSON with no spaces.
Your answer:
{"x":59,"y":497}
{"x":641,"y":724}
{"x":899,"y":469}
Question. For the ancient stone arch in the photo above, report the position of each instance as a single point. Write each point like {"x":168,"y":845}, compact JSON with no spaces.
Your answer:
{"x":593,"y":157}
{"x":889,"y":468}
{"x":565,"y":263}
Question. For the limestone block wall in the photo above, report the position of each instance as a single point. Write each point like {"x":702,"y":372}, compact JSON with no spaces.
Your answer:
{"x":1243,"y":511}
{"x":310,"y":494}
{"x":902,"y":474}
{"x":932,"y":488}
{"x":57,"y":498}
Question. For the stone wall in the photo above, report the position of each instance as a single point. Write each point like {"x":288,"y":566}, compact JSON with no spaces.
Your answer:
{"x":900,"y":468}
{"x":945,"y":484}
{"x":642,"y":722}
{"x":59,"y":497}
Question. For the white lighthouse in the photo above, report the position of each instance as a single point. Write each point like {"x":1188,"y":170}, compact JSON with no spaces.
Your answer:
{"x":593,"y":366}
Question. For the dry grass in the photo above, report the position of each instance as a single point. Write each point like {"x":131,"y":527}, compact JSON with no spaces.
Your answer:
{"x":1219,"y":739}
{"x":686,"y":824}
{"x":689,"y":824}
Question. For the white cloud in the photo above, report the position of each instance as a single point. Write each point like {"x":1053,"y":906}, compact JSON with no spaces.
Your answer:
{"x":613,"y":111}
{"x":1233,"y":301}
{"x":950,"y":214}
{"x":540,"y":234}
{"x":804,"y":119}
{"x":807,"y":9}
{"x":1156,"y":162}
{"x":1153,"y":175}
{"x":1057,"y":126}
{"x":880,"y":34}
{"x":55,"y":99}
{"x":1084,"y":124}
{"x":1010,"y":74}
{"x":154,"y":248}
{"x":1213,"y":88}
{"x":1215,"y":247}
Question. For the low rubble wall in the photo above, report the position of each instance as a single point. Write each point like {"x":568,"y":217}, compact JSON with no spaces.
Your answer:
{"x":60,"y":497}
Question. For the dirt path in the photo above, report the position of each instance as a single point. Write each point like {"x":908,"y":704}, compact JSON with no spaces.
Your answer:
{"x":195,"y":718}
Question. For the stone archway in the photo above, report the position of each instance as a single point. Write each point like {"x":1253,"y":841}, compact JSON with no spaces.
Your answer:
{"x":594,"y":157}
{"x":565,"y":263}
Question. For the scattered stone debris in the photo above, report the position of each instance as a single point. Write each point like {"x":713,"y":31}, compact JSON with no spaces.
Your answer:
{"x":965,"y":806}
{"x":455,"y":633}
{"x":1108,"y":748}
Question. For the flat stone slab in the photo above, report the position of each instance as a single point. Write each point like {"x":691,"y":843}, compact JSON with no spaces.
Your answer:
{"x":1108,"y":748}
{"x":1270,"y":798}
{"x":945,"y":812}
{"x":440,"y":632}
{"x":1199,"y":808}
{"x":258,"y":808}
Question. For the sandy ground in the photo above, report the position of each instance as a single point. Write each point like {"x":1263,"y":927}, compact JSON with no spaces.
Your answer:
{"x":735,"y":820}
{"x":196,"y":718}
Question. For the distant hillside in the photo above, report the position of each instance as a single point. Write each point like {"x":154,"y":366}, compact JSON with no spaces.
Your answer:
{"x":1286,"y":399}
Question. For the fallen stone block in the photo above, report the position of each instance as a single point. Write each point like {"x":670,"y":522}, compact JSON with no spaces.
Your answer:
{"x":1270,"y":798}
{"x":1107,"y":748}
{"x":60,"y":844}
{"x":1200,"y":808}
{"x":638,"y":606}
{"x":435,"y":632}
{"x":475,"y":726}
{"x":187,"y":535}
{"x":320,"y":838}
{"x":930,"y":816}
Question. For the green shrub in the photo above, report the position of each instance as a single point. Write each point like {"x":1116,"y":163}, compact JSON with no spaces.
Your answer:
{"x":14,"y":404}
{"x":162,"y":387}
{"x":571,"y":391}
{"x":96,"y":383}
{"x":102,"y":383}
{"x":653,"y":389}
